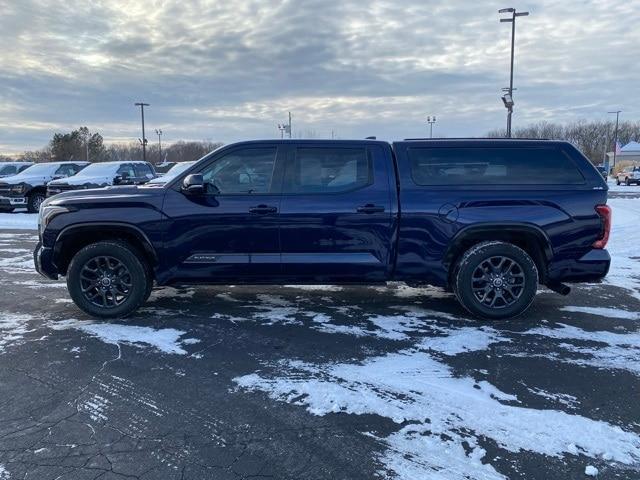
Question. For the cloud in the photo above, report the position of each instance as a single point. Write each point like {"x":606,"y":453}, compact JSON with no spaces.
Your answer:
{"x":231,"y":70}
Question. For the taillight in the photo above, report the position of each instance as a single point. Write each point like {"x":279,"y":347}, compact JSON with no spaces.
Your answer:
{"x":605,"y":215}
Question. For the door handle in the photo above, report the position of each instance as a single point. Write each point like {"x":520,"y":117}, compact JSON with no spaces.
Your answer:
{"x":263,"y":209}
{"x":370,"y":208}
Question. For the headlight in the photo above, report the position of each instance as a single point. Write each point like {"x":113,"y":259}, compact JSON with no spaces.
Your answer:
{"x":17,"y":189}
{"x":47,"y":213}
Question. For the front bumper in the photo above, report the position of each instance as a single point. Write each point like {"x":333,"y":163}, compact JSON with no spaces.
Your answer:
{"x":43,"y":260}
{"x":591,"y":267}
{"x":13,"y":202}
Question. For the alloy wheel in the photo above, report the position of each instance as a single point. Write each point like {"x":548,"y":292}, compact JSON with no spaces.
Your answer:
{"x":105,"y":281}
{"x":498,"y":282}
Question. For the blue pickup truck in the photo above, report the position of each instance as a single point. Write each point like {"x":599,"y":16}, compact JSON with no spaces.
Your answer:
{"x":489,"y":220}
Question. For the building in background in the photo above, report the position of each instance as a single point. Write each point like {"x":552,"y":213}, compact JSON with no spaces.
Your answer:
{"x":627,"y":155}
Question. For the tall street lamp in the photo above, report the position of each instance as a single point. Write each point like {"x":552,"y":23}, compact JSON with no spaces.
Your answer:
{"x":159,"y":133}
{"x":144,"y":139}
{"x":615,"y":137}
{"x":431,"y":120}
{"x":508,"y":97}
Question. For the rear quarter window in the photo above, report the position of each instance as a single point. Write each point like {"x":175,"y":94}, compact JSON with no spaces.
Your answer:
{"x":493,"y":166}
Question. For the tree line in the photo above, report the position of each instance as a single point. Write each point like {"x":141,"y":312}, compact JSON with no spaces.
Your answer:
{"x":81,"y":144}
{"x":593,"y":138}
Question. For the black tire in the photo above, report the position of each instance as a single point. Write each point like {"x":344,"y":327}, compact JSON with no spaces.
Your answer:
{"x":507,"y":286}
{"x":129,"y":280}
{"x":627,"y":182}
{"x":35,"y":199}
{"x":617,"y":181}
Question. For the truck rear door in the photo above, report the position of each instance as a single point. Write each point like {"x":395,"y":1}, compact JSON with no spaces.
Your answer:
{"x":338,"y":212}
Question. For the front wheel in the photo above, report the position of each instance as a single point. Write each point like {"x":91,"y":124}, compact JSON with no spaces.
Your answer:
{"x":627,"y":182}
{"x":495,"y":280}
{"x":617,"y":181}
{"x":108,"y":280}
{"x":34,"y":202}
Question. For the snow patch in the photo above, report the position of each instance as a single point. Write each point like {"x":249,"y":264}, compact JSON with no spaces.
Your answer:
{"x":411,"y":385}
{"x":167,"y":340}
{"x":604,"y":312}
{"x":599,"y":349}
{"x":13,"y":328}
{"x":18,"y":221}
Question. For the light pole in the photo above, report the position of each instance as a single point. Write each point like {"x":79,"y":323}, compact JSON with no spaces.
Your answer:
{"x":431,"y":121}
{"x":615,"y":137}
{"x":144,"y":139}
{"x":508,"y":97}
{"x":159,"y":133}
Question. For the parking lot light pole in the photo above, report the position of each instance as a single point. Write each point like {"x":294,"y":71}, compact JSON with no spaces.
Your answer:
{"x":159,"y":133}
{"x":508,"y":97}
{"x":144,"y":139}
{"x":431,"y":121}
{"x":615,"y":137}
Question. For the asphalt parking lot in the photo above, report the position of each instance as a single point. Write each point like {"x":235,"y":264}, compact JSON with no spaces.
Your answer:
{"x":314,"y":383}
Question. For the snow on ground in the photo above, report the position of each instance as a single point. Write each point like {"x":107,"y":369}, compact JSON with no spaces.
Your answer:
{"x":13,"y":328}
{"x":599,"y":349}
{"x":19,"y":221}
{"x":604,"y":312}
{"x":4,"y":475}
{"x":624,"y":245}
{"x":444,"y":412}
{"x":166,"y":340}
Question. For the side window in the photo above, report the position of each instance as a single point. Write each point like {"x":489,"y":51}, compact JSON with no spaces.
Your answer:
{"x":492,"y":166}
{"x":8,"y":170}
{"x":65,"y":170}
{"x":248,"y":171}
{"x":127,"y":169}
{"x":143,"y":171}
{"x":328,"y":170}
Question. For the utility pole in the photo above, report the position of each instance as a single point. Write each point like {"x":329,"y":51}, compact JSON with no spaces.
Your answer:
{"x":87,"y":146}
{"x":289,"y":124}
{"x":285,"y":127}
{"x":144,"y":139}
{"x":431,"y":121}
{"x":615,"y":137}
{"x":159,"y":133}
{"x":508,"y":97}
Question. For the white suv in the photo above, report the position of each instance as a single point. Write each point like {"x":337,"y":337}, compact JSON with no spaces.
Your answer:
{"x":628,"y":176}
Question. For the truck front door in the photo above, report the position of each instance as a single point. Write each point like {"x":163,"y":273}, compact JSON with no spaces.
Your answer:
{"x":337,"y":218}
{"x":230,"y":231}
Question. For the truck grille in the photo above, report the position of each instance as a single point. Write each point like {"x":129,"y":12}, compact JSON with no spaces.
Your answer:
{"x":4,"y":188}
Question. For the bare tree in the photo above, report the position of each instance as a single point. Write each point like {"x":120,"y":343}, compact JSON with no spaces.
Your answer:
{"x":593,"y":138}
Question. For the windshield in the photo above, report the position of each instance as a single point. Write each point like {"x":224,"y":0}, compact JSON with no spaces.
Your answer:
{"x":7,"y":169}
{"x":99,"y":170}
{"x":40,"y":169}
{"x":174,"y":171}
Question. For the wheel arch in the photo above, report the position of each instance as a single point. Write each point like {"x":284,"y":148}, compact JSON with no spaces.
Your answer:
{"x":530,"y":238}
{"x":75,"y":237}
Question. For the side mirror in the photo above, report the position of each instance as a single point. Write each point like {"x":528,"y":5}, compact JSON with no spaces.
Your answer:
{"x":193,"y":184}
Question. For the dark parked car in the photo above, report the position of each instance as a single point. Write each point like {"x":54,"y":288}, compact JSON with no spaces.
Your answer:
{"x":487,"y":219}
{"x":104,"y":174}
{"x":8,"y":169}
{"x":29,"y":187}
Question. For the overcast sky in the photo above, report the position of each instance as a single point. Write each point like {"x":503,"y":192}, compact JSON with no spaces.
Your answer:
{"x":230,"y":70}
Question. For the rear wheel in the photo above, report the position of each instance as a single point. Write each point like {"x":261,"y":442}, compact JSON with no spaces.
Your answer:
{"x":617,"y":181}
{"x":34,"y":202}
{"x":627,"y":182}
{"x":495,"y":280}
{"x":108,"y":280}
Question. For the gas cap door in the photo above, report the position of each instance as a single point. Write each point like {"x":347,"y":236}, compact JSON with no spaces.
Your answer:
{"x":448,"y":212}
